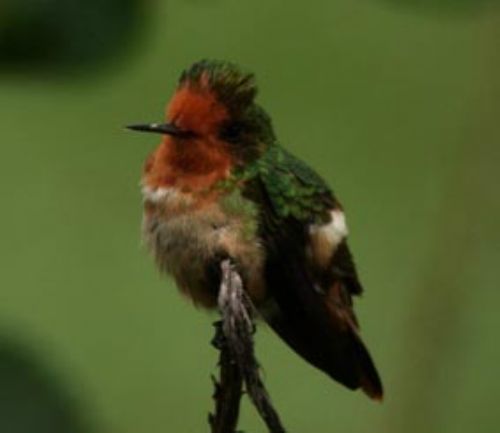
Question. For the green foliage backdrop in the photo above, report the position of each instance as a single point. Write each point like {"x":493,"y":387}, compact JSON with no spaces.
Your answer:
{"x":397,"y":108}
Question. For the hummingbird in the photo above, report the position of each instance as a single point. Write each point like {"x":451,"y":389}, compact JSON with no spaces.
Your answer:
{"x":220,"y":185}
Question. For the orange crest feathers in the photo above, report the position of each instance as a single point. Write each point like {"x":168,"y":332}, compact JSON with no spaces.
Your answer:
{"x":232,"y":87}
{"x":196,"y":110}
{"x":210,"y":93}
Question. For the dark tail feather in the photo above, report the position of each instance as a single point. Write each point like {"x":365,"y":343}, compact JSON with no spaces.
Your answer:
{"x":369,"y":378}
{"x":321,"y":330}
{"x":342,"y":355}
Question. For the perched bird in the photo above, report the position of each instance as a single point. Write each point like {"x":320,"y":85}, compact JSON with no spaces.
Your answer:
{"x":221,"y":186}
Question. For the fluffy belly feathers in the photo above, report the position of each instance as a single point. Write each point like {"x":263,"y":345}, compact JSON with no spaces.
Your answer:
{"x":189,"y":234}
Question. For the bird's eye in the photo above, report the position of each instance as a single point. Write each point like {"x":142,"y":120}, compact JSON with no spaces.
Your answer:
{"x":232,"y":132}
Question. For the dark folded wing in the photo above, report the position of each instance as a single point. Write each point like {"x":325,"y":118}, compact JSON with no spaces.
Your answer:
{"x":310,"y":308}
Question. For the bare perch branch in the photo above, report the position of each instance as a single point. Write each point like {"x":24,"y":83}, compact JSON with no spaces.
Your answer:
{"x":237,"y":359}
{"x":228,"y":389}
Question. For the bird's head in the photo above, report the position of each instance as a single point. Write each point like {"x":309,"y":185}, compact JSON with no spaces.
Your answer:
{"x":214,"y":103}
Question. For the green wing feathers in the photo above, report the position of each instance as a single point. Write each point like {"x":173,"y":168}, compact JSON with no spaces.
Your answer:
{"x":310,"y":308}
{"x":294,"y":189}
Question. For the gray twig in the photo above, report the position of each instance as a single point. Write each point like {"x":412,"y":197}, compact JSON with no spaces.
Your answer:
{"x":234,"y":339}
{"x":227,"y":390}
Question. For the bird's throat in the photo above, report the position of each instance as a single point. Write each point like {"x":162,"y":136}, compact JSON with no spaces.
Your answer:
{"x":188,"y":165}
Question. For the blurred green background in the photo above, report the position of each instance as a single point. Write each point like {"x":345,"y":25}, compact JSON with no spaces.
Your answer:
{"x":396,"y":103}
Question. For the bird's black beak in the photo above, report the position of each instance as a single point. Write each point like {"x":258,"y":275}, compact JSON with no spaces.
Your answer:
{"x":162,"y":128}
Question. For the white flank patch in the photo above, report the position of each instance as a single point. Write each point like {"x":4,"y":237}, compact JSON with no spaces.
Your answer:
{"x":156,"y":195}
{"x":335,"y":231}
{"x":338,"y":227}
